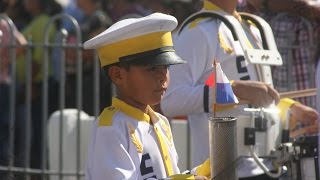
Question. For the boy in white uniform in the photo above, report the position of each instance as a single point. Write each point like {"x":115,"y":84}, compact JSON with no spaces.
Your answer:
{"x":130,"y":140}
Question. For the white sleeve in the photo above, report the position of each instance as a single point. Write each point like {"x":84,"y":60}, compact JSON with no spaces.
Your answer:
{"x":185,"y":94}
{"x":111,"y":160}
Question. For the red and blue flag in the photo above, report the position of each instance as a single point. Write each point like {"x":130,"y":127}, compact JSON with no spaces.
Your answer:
{"x":224,"y":92}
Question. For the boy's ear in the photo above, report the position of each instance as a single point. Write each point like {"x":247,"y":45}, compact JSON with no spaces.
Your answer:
{"x":115,"y":75}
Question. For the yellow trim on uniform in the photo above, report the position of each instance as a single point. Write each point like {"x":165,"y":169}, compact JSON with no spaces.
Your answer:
{"x":249,"y":44}
{"x":207,"y":5}
{"x":164,"y":151}
{"x":251,"y":23}
{"x":105,"y":118}
{"x":111,"y":53}
{"x":284,"y":105}
{"x":204,"y":169}
{"x":182,"y":176}
{"x":224,"y":45}
{"x":237,"y":16}
{"x":134,"y":138}
{"x":194,"y":23}
{"x":162,"y":143}
{"x":167,"y":130}
{"x":130,"y":111}
{"x":221,"y":107}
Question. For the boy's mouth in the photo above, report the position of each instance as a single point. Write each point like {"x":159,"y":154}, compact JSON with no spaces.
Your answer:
{"x":161,"y":89}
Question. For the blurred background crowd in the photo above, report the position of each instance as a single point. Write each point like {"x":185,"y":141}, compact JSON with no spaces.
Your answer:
{"x":30,"y":18}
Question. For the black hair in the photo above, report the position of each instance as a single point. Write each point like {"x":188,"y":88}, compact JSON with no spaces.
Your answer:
{"x":124,"y":65}
{"x":3,"y":6}
{"x":51,"y":7}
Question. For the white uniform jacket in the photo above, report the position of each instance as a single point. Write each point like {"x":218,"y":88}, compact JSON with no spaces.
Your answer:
{"x":199,"y":43}
{"x":124,"y":145}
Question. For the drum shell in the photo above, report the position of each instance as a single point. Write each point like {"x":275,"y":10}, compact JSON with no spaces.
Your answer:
{"x":265,"y":142}
{"x":306,"y":158}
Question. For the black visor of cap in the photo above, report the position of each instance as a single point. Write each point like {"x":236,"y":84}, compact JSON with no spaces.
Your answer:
{"x":157,"y":57}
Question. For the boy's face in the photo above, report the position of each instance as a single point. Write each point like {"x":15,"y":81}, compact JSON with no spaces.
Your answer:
{"x":143,"y":85}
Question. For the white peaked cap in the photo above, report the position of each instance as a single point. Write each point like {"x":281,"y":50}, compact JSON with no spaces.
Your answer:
{"x":145,"y":41}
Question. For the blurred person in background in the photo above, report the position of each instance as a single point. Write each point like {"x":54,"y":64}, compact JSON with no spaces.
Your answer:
{"x":93,"y":22}
{"x":72,"y":9}
{"x":298,"y":69}
{"x":41,"y":12}
{"x":122,"y":9}
{"x":16,"y":11}
{"x":5,"y":85}
{"x":181,"y":9}
{"x":163,"y":6}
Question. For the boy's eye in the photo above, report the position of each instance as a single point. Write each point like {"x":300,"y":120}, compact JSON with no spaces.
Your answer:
{"x":152,"y":68}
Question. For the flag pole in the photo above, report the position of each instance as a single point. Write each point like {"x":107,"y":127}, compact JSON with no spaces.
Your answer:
{"x":215,"y":88}
{"x":222,"y":153}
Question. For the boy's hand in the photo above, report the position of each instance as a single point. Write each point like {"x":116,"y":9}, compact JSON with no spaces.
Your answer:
{"x":257,"y":93}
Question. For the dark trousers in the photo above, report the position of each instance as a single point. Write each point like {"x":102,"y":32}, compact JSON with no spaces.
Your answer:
{"x":35,"y":143}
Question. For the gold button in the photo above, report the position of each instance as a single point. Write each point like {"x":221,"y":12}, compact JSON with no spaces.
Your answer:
{"x":166,"y":157}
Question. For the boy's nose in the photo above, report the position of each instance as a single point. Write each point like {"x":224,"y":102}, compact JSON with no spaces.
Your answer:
{"x":162,"y":73}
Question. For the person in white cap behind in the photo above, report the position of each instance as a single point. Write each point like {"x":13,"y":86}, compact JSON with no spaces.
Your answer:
{"x":129,"y":140}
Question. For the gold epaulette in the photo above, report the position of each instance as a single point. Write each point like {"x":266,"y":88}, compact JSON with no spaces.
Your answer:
{"x":106,"y":117}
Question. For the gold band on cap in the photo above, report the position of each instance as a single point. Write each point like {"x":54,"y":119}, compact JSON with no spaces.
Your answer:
{"x":111,"y":53}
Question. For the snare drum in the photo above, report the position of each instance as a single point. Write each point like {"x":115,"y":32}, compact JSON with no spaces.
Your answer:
{"x":263,"y":132}
{"x":305,"y":163}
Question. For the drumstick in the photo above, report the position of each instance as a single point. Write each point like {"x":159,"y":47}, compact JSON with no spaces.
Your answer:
{"x":292,"y":94}
{"x":299,"y":93}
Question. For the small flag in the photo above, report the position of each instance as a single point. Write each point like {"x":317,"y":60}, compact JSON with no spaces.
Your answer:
{"x":224,"y":92}
{"x":211,"y":80}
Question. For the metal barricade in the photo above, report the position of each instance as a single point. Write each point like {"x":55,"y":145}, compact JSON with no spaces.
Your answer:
{"x":17,"y":163}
